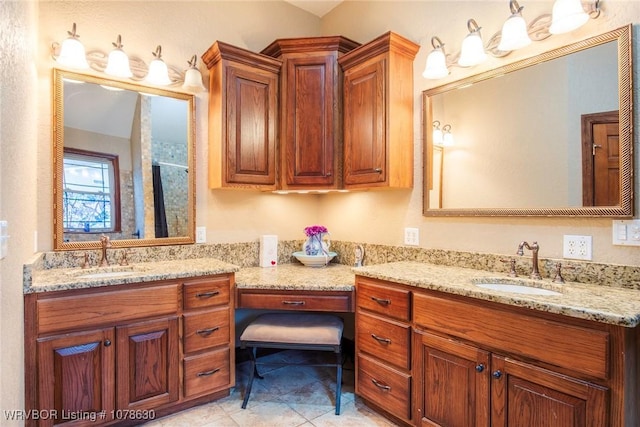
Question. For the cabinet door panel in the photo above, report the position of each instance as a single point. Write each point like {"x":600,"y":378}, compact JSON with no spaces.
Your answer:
{"x":76,"y":374}
{"x":148,"y":364}
{"x":364,"y":125}
{"x":526,"y":395}
{"x":455,"y":382}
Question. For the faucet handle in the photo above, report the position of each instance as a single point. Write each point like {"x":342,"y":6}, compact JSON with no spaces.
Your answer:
{"x":559,"y":278}
{"x":123,"y":260}
{"x":85,"y":260}
{"x":512,"y":266}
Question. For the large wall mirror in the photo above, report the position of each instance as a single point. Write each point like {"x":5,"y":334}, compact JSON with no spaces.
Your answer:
{"x":123,"y":162}
{"x":546,"y":136}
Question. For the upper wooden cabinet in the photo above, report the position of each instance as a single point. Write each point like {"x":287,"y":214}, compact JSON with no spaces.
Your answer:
{"x":310,"y":110}
{"x":378,"y":113}
{"x":243,"y":111}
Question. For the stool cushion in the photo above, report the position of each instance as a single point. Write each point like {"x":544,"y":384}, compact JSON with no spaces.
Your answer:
{"x":298,"y":328}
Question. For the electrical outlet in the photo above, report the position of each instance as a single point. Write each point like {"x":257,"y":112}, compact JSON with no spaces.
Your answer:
{"x":411,"y":236}
{"x":201,"y":234}
{"x":577,"y":247}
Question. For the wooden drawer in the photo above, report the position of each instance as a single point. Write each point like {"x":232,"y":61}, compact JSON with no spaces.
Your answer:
{"x":376,"y":296}
{"x":206,"y":372}
{"x":285,"y":300}
{"x":569,"y":346}
{"x":109,"y":307}
{"x":386,"y":387}
{"x":206,"y":329}
{"x":206,"y":292}
{"x":385,"y":339}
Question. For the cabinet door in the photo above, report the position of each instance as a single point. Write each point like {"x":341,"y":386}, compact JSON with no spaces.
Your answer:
{"x":526,"y":395}
{"x":251,"y":107}
{"x":309,"y":122}
{"x":76,"y":376}
{"x":148,"y":363}
{"x":365,"y":124}
{"x":454,"y":381}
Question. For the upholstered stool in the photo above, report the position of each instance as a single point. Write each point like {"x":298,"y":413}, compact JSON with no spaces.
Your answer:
{"x":299,"y":331}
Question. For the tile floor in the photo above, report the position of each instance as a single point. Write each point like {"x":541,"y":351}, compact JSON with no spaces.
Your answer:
{"x":287,"y":396}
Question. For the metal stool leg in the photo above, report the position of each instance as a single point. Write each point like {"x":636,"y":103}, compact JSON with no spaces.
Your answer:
{"x":338,"y":380}
{"x":254,"y":373}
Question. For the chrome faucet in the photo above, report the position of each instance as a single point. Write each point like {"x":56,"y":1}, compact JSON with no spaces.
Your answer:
{"x":534,"y":248}
{"x":105,"y":243}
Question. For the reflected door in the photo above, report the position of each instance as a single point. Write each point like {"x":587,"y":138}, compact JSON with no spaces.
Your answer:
{"x":601,"y":159}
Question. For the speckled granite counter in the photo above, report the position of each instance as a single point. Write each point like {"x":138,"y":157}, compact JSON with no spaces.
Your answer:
{"x":334,"y":277}
{"x":598,"y":303}
{"x":56,"y":279}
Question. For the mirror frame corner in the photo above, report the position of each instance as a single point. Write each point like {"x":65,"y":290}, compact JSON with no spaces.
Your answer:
{"x":58,"y":76}
{"x":623,"y":36}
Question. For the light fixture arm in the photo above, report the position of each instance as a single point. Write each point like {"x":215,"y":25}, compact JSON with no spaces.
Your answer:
{"x":437,"y":43}
{"x":515,"y":7}
{"x":118,"y":43}
{"x":472,"y":26}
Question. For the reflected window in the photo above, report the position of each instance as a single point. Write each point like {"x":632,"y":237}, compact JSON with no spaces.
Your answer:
{"x":91,"y":192}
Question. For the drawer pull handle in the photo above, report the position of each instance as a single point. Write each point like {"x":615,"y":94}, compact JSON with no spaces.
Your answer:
{"x":207,"y":332}
{"x":497,"y":374}
{"x":207,"y":373}
{"x":293,"y":302}
{"x":207,"y":294}
{"x":380,"y":339}
{"x":480,"y":367}
{"x":381,"y":386}
{"x":381,"y":301}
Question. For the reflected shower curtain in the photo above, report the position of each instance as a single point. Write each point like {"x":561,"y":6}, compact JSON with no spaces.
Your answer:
{"x":160,"y":215}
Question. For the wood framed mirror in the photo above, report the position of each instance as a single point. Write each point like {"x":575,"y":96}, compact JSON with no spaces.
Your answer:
{"x":536,"y":137}
{"x":123,"y":163}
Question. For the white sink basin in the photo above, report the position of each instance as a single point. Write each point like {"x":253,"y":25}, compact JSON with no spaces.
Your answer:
{"x":106,"y":275}
{"x":517,"y":289}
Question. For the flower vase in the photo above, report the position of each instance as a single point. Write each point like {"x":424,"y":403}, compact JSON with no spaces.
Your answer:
{"x":316,"y":244}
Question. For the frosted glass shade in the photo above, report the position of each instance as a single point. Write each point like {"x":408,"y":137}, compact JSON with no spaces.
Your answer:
{"x":436,"y":67}
{"x":447,"y":139}
{"x":567,"y":15}
{"x":72,"y":54}
{"x":472,"y":52}
{"x":437,"y":137}
{"x":118,"y":64}
{"x":193,"y":80}
{"x":514,"y":34}
{"x":158,"y":73}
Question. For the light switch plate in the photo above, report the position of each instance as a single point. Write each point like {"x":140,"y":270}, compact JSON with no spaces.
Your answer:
{"x":626,"y":233}
{"x":412,"y":236}
{"x":201,"y":234}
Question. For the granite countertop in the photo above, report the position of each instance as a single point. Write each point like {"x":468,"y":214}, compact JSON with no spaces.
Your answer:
{"x":617,"y":306}
{"x":57,"y":279}
{"x":333,"y":277}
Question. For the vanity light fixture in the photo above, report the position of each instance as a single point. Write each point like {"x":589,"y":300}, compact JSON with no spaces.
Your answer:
{"x":447,"y":136}
{"x":568,"y":15}
{"x":436,"y":66}
{"x":472,"y":52}
{"x":438,"y":137}
{"x":72,"y":52}
{"x":158,"y":71}
{"x":514,"y":31}
{"x":193,"y":77}
{"x":118,"y":62}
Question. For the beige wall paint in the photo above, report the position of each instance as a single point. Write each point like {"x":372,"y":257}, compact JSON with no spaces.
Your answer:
{"x":419,"y":21}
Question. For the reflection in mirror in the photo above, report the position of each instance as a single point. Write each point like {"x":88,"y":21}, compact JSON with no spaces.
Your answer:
{"x":123,"y":162}
{"x":548,"y":136}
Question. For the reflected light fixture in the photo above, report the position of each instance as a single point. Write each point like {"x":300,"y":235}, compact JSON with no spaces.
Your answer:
{"x":437,"y":134}
{"x":72,"y":52}
{"x":192,"y":77}
{"x":514,"y":31}
{"x":567,"y":15}
{"x":472,"y":52}
{"x":447,"y":136}
{"x":118,"y":62}
{"x":158,"y":72}
{"x":436,"y":66}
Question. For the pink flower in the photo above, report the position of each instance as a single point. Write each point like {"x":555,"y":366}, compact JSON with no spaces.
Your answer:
{"x":314,"y":230}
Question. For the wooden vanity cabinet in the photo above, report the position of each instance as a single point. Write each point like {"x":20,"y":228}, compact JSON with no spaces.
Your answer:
{"x":310,"y":110}
{"x":118,"y":350}
{"x":378,"y":113}
{"x":383,"y":347}
{"x":243,"y":117}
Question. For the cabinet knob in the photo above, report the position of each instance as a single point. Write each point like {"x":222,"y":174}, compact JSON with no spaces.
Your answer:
{"x":378,"y":170}
{"x":107,"y":343}
{"x":480,"y":367}
{"x":497,"y":374}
